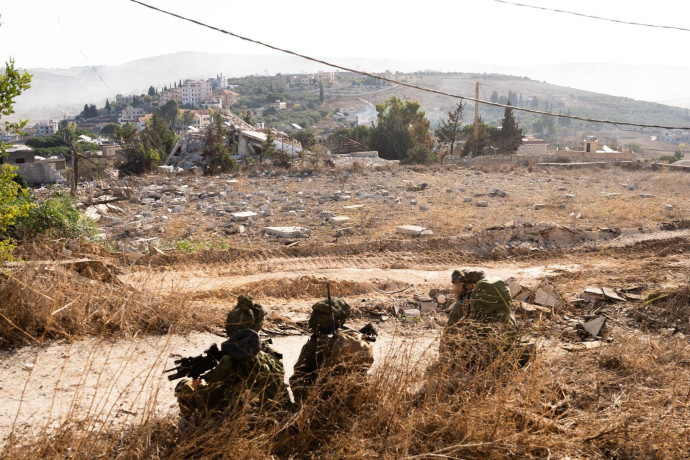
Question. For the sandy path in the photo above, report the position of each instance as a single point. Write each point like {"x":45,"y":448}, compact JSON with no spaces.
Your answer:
{"x":100,"y":378}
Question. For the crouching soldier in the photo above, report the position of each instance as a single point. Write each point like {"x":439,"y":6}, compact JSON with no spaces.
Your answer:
{"x":332,"y":349}
{"x":245,"y":370}
{"x":481,"y":325}
{"x":245,"y":377}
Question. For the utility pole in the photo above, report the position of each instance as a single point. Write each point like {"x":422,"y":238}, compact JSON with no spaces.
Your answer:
{"x":476,"y":120}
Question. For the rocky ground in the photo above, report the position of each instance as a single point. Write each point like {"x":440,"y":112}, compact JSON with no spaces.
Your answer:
{"x":584,"y":250}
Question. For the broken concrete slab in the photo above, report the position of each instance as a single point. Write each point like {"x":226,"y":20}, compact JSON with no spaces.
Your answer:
{"x":548,"y":296}
{"x":611,"y":294}
{"x":339,"y":219}
{"x":353,"y":207}
{"x":287,"y":232}
{"x":242,"y":216}
{"x":594,"y":326}
{"x":582,"y":346}
{"x":413,"y":230}
{"x":513,"y":286}
{"x":482,"y":204}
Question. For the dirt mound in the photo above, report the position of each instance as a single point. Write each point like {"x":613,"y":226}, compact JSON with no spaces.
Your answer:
{"x":303,"y":287}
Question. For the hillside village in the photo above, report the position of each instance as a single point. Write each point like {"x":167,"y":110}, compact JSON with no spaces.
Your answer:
{"x":292,"y":108}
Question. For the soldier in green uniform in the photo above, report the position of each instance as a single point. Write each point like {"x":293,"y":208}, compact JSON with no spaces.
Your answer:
{"x":250,"y":373}
{"x":481,"y":323}
{"x":332,"y":347}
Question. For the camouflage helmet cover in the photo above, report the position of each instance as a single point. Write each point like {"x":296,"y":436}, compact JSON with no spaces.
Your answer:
{"x":320,"y":319}
{"x":467,"y":276}
{"x":246,"y":315}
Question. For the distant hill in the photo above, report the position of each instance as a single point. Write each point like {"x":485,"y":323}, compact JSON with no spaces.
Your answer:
{"x":55,"y":91}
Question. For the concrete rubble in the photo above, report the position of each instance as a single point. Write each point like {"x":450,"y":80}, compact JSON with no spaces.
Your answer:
{"x":413,"y":230}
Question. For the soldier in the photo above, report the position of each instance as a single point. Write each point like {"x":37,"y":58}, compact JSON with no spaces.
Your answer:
{"x":332,"y":347}
{"x":246,"y":315}
{"x":249,"y":369}
{"x":481,"y":322}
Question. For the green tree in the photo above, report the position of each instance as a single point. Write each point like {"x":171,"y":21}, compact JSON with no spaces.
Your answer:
{"x":169,"y":112}
{"x":108,"y":109}
{"x":448,"y":132}
{"x":157,"y":135}
{"x":268,"y":148}
{"x":494,"y":96}
{"x":306,"y":138}
{"x":510,"y":136}
{"x":14,"y":199}
{"x":187,"y":118}
{"x":109,"y":130}
{"x":152,"y":91}
{"x":247,"y":116}
{"x":217,"y":156}
{"x":321,"y":92}
{"x":488,"y":135}
{"x":400,"y":125}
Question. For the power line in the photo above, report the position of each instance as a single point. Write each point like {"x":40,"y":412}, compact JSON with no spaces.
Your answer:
{"x":74,"y":43}
{"x":617,"y":21}
{"x":400,"y":83}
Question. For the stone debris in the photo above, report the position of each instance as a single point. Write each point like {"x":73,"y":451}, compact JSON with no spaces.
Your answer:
{"x":482,"y":204}
{"x":243,"y":216}
{"x":286,"y":232}
{"x":593,"y":327}
{"x":538,"y":206}
{"x":646,"y":195}
{"x":547,"y":295}
{"x":413,"y":230}
{"x":339,"y":219}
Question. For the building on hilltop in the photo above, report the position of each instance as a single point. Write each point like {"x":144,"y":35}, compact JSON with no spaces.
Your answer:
{"x":45,"y":128}
{"x":327,"y":78}
{"x":130,"y":114}
{"x":219,"y":82}
{"x":227,"y":97}
{"x":192,"y":92}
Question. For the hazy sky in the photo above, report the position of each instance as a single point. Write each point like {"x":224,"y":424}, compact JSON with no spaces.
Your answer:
{"x":64,"y":33}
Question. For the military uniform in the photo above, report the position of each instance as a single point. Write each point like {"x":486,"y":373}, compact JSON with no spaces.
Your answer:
{"x":481,"y":323}
{"x":340,"y":351}
{"x":256,"y":379}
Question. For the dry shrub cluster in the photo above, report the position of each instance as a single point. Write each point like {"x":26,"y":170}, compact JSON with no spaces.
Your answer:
{"x":668,"y":310}
{"x":629,"y":400}
{"x":39,"y":301}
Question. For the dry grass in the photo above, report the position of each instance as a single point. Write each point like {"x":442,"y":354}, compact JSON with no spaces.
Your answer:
{"x":43,"y":301}
{"x":629,"y":400}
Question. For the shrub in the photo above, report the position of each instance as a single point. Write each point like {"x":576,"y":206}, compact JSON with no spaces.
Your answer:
{"x":57,"y":217}
{"x":14,"y":205}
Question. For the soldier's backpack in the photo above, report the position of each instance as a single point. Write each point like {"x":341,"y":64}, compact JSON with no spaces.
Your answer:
{"x":491,"y":299}
{"x":246,"y":315}
{"x":348,"y":352}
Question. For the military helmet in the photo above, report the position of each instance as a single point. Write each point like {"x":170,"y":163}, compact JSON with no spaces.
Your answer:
{"x":320,"y":319}
{"x":467,"y":276}
{"x":246,"y":315}
{"x":242,"y":344}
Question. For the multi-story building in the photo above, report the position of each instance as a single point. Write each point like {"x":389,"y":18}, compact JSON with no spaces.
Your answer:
{"x":227,"y":97}
{"x":130,"y":115}
{"x":278,"y":105}
{"x":201,"y":119}
{"x":45,"y":128}
{"x":192,"y":92}
{"x":219,"y":82}
{"x":325,"y":77}
{"x":302,"y":80}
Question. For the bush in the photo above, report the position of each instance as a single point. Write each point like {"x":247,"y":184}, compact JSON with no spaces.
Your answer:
{"x":420,"y":153}
{"x":14,"y":205}
{"x":57,"y":217}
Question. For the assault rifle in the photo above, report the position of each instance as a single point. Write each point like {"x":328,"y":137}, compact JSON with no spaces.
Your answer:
{"x":196,"y":366}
